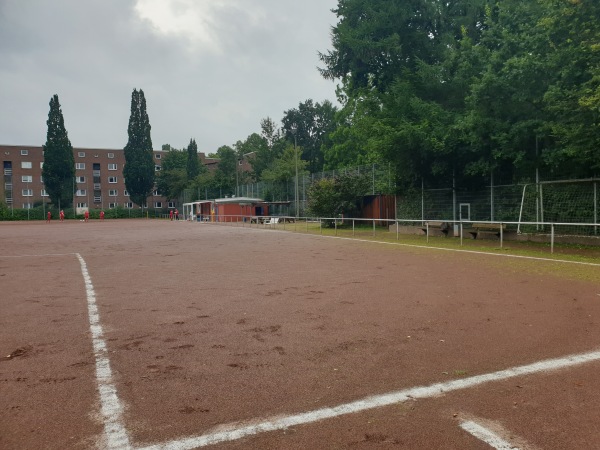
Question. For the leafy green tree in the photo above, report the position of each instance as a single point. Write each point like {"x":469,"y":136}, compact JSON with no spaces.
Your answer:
{"x":401,"y":103}
{"x":139,"y":170}
{"x":342,"y":195}
{"x":193,"y":163}
{"x":268,"y":149}
{"x":253,"y":148}
{"x":172,"y":178}
{"x":225,"y":175}
{"x":572,"y":33}
{"x":284,"y":168}
{"x":59,"y":165}
{"x":313,"y":122}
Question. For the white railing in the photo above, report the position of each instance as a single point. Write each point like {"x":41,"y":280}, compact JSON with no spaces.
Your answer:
{"x":428,"y":228}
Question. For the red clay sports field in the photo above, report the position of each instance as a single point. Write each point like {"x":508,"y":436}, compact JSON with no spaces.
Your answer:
{"x":152,"y":334}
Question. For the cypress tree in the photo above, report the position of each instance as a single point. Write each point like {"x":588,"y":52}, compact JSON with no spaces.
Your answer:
{"x":193,"y":165}
{"x":139,"y":163}
{"x":59,"y":165}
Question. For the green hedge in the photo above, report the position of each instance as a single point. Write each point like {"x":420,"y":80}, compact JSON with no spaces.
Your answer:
{"x":39,"y":213}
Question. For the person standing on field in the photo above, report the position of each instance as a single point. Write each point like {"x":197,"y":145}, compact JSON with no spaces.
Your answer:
{"x":86,"y":215}
{"x":48,"y":217}
{"x":171,"y":214}
{"x":101,"y":216}
{"x":62,"y":215}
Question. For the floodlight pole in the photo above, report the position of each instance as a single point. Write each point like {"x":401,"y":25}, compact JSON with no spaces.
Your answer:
{"x":294,"y":130}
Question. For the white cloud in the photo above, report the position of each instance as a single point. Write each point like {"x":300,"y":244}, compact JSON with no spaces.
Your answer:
{"x":210,"y":69}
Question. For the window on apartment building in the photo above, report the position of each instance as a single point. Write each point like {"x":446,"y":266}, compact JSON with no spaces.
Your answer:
{"x":112,"y":205}
{"x":80,"y":193}
{"x":27,"y":192}
{"x":112,"y":167}
{"x":24,"y":152}
{"x":26,"y":178}
{"x":171,"y":204}
{"x":42,"y":165}
{"x":27,"y":205}
{"x":79,"y":166}
{"x":81,"y":154}
{"x":155,"y":193}
{"x":112,"y":193}
{"x":126,"y":193}
{"x":26,"y":165}
{"x":112,"y":179}
{"x":157,"y":155}
{"x":80,"y":179}
{"x":44,"y":193}
{"x":128,"y":205}
{"x":158,"y":204}
{"x":82,"y":205}
{"x":157,"y":168}
{"x":111,"y":155}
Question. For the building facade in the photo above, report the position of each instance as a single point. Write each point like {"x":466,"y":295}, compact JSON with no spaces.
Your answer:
{"x":98,"y":183}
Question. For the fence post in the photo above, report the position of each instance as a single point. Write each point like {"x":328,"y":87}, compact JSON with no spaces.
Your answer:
{"x":461,"y":233}
{"x":352,"y":227}
{"x":595,"y":207}
{"x":427,"y":231}
{"x":552,"y":238}
{"x":397,"y":238}
{"x":373,"y":227}
{"x":335,"y":226}
{"x":501,"y":236}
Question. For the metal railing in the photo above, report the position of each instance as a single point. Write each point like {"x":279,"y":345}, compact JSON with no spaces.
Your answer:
{"x":498,"y":230}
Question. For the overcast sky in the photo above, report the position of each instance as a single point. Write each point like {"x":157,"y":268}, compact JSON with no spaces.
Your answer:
{"x":210,"y":69}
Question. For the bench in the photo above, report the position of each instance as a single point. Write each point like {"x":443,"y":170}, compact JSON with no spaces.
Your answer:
{"x":441,"y":227}
{"x":493,"y":228}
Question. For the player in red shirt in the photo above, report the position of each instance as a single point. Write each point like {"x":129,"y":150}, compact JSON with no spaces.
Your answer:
{"x":86,"y":215}
{"x":171,"y":214}
{"x":101,"y":215}
{"x":48,"y":217}
{"x":62,"y":215}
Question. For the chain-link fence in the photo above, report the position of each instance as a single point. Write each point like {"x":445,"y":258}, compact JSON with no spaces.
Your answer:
{"x":544,"y":201}
{"x":381,"y":177}
{"x":574,"y":201}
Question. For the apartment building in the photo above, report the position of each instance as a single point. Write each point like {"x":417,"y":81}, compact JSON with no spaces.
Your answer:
{"x":98,"y":184}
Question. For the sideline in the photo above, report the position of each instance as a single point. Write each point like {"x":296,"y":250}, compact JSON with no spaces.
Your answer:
{"x":37,"y":256}
{"x":535,"y":258}
{"x":231,"y":432}
{"x":110,"y":405}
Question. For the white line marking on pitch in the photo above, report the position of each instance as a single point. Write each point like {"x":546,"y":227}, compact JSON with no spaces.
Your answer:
{"x":466,"y":251}
{"x":487,"y":436}
{"x":447,"y":249}
{"x":233,"y":432}
{"x":37,"y":256}
{"x":110,"y":405}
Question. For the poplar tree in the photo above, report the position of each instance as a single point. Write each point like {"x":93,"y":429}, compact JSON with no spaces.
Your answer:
{"x":139,"y":163}
{"x":193,"y":164}
{"x":59,"y":165}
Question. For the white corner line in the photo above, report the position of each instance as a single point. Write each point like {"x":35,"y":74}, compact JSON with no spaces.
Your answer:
{"x":231,"y":432}
{"x":110,"y":406}
{"x":487,"y":436}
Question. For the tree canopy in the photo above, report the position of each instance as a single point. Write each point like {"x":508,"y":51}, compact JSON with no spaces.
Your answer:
{"x":139,"y":169}
{"x":58,"y":170}
{"x":467,"y":87}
